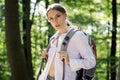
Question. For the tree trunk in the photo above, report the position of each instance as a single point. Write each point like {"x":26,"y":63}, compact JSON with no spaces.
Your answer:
{"x":27,"y":37}
{"x":113,"y":46}
{"x":118,"y":74}
{"x":56,"y":1}
{"x":14,"y":49}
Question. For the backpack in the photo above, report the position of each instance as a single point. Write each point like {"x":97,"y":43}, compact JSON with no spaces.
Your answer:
{"x":82,"y":74}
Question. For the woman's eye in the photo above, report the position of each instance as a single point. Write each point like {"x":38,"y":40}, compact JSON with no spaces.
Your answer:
{"x":58,"y":16}
{"x":50,"y":19}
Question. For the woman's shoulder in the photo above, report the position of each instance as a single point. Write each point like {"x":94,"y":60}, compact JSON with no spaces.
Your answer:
{"x":78,"y":31}
{"x":79,"y":34}
{"x":76,"y":28}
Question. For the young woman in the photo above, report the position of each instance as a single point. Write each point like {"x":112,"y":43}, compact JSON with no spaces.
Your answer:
{"x":78,"y":55}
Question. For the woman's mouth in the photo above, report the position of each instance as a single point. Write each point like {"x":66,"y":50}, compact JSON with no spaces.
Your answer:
{"x":57,"y":25}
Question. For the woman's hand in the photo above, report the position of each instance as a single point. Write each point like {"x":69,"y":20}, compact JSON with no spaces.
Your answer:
{"x":44,"y":54}
{"x":64,"y":56}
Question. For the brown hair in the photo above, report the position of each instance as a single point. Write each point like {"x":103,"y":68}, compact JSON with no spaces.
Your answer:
{"x":58,"y":7}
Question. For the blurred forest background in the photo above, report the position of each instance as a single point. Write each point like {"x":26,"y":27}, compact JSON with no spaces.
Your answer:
{"x":25,"y":32}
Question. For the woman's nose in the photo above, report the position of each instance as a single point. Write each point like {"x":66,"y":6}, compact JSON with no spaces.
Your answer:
{"x":56,"y":20}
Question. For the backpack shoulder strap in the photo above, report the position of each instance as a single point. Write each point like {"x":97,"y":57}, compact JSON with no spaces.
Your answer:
{"x":65,"y":45}
{"x":67,"y":39}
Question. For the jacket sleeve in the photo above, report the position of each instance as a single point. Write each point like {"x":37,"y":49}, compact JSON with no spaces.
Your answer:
{"x":88,"y":59}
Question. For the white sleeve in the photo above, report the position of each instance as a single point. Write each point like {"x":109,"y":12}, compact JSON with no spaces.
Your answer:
{"x":88,"y":59}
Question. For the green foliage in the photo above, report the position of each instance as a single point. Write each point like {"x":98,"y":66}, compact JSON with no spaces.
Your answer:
{"x":4,"y":65}
{"x":94,"y":16}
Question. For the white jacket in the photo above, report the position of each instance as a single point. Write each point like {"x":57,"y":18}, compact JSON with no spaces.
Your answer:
{"x":80,"y":56}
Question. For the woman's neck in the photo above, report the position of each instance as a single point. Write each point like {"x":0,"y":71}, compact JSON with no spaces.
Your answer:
{"x":64,"y":30}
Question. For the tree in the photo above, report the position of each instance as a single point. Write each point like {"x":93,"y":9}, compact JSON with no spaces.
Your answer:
{"x":27,"y":37}
{"x":14,"y":49}
{"x":113,"y":46}
{"x":118,"y":75}
{"x":56,"y":1}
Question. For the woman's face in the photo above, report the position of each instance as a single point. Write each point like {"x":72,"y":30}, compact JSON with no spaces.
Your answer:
{"x":57,"y":19}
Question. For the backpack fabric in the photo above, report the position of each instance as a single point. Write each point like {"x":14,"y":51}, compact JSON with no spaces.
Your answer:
{"x":82,"y":74}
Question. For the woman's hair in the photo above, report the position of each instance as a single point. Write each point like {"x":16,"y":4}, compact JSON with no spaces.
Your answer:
{"x":58,"y":7}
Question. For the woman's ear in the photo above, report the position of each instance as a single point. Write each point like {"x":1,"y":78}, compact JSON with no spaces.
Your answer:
{"x":65,"y":15}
